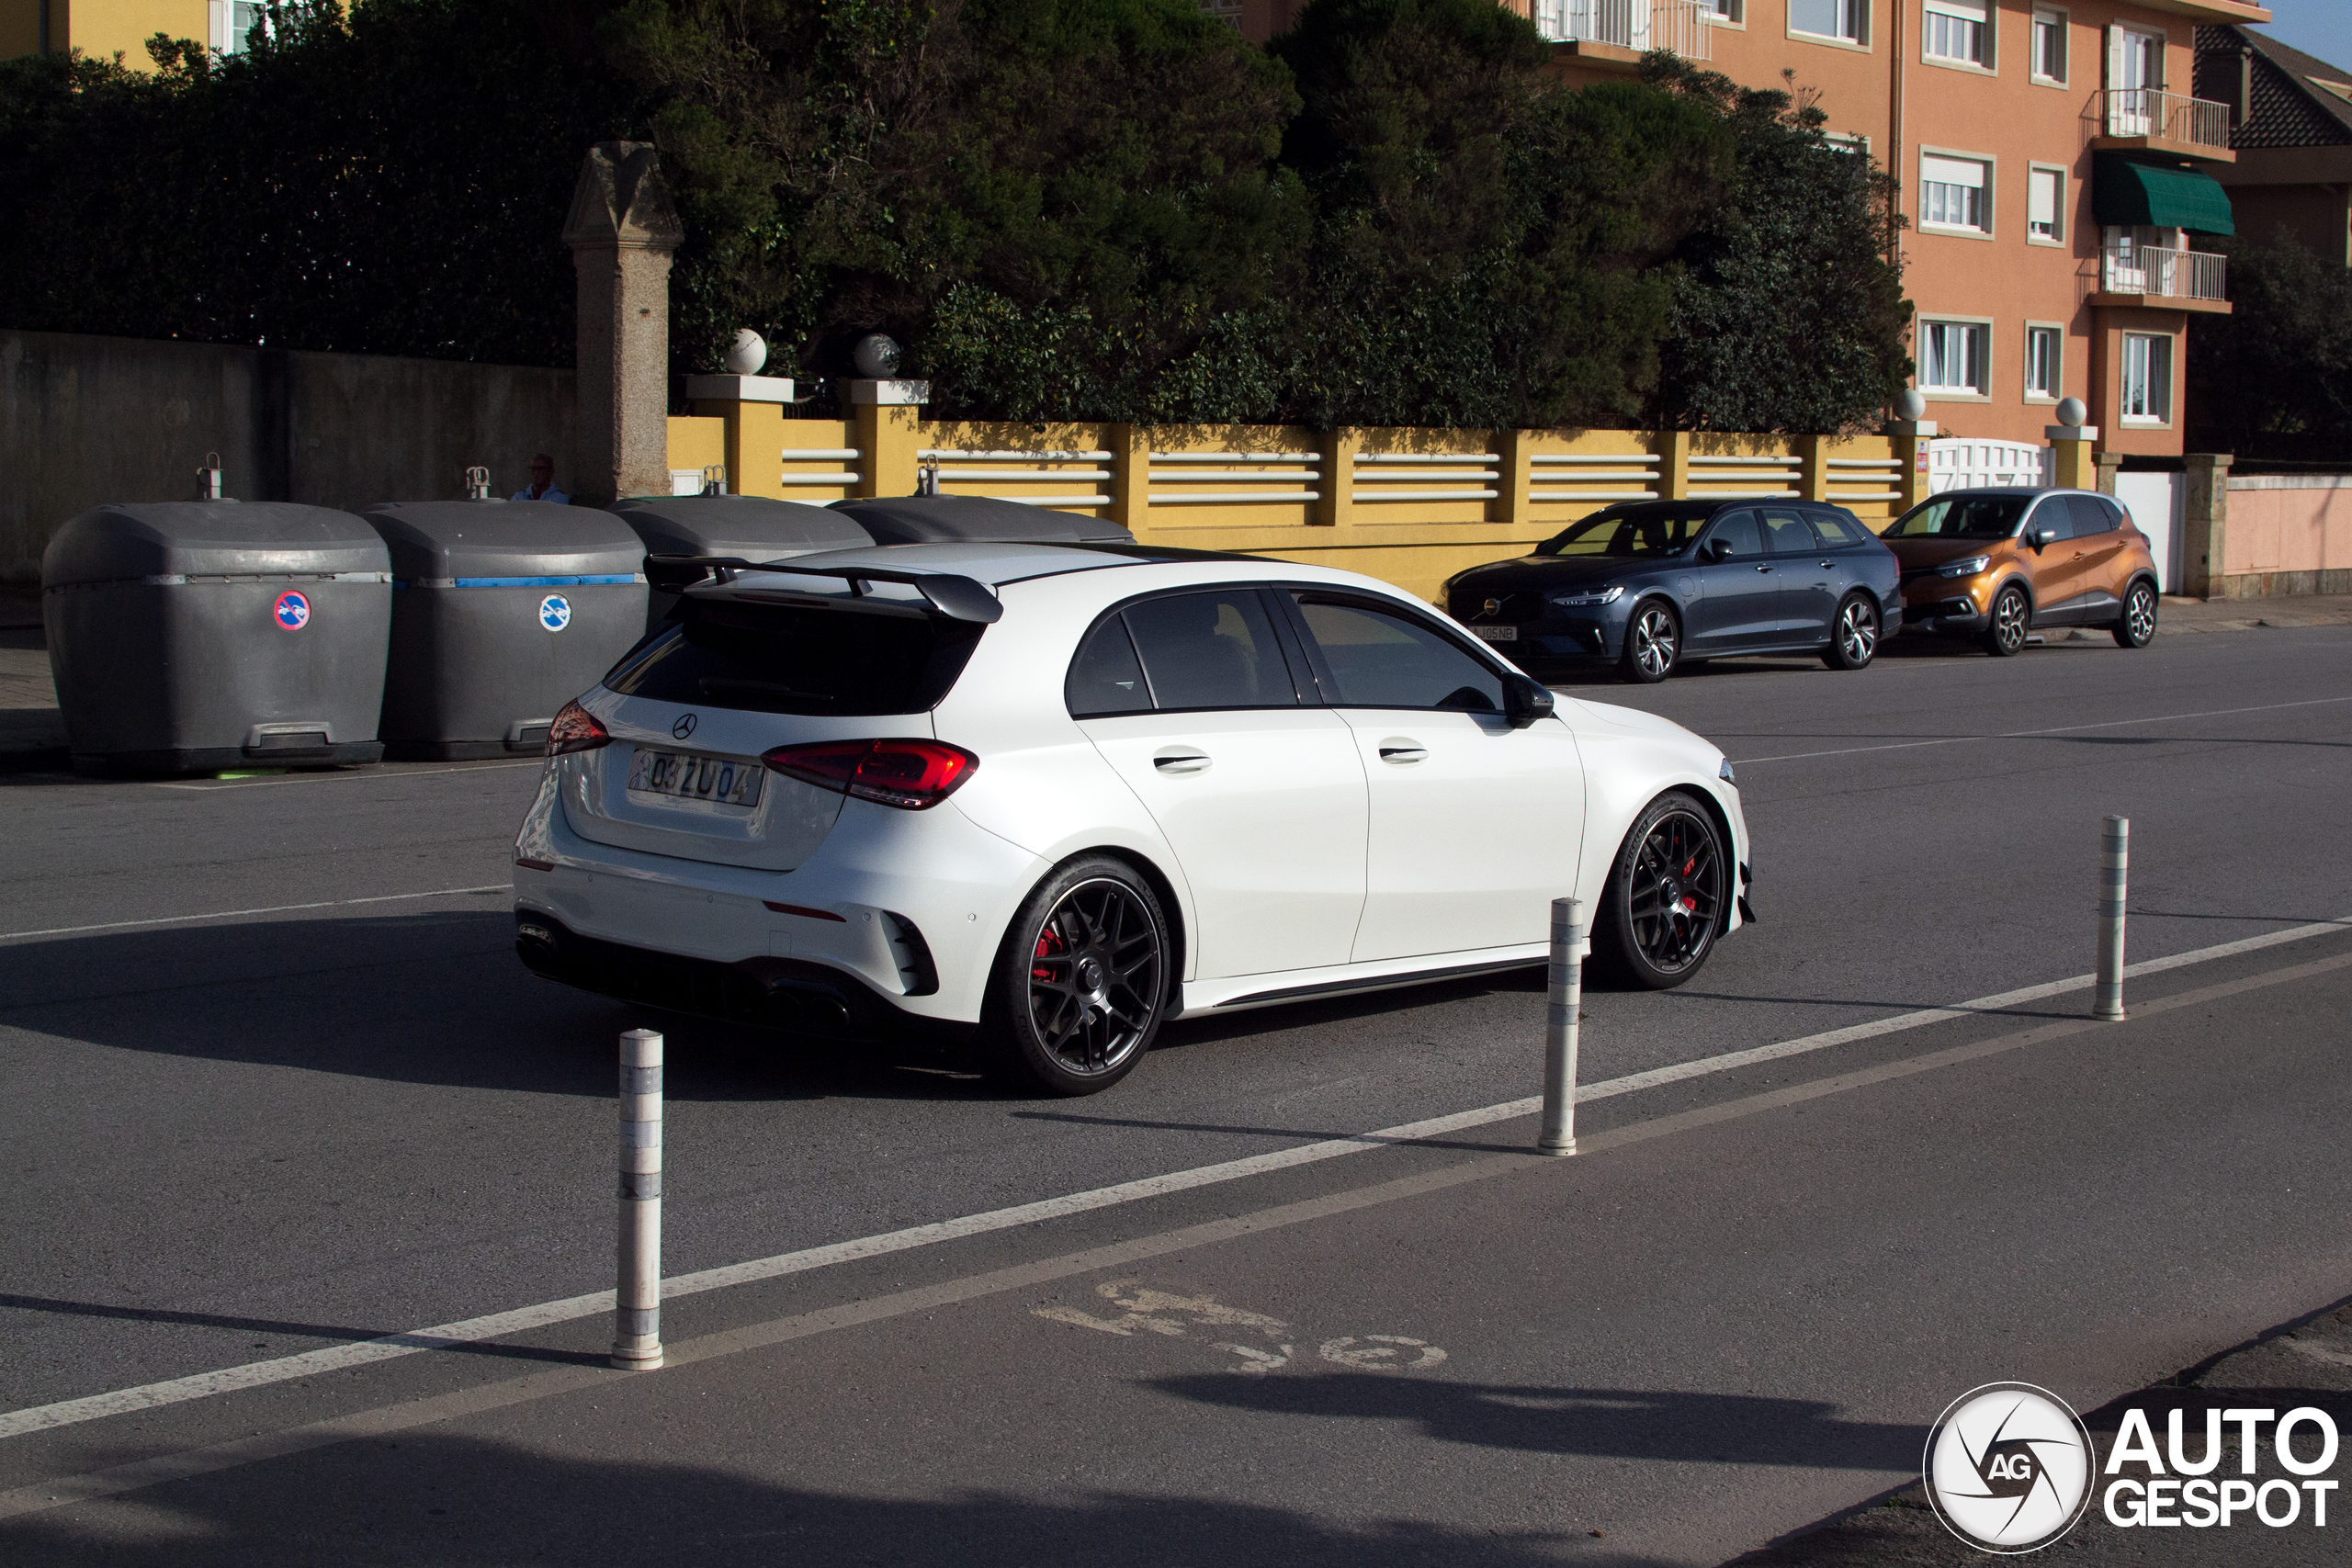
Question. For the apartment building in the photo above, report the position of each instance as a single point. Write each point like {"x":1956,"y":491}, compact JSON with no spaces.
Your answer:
{"x":2290,"y":117}
{"x":2056,"y":169}
{"x":104,"y":28}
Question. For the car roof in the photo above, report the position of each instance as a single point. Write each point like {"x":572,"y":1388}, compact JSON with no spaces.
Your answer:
{"x":996,"y":564}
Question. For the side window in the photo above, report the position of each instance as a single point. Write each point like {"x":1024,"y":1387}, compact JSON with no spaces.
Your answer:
{"x":1791,"y":535}
{"x":1835,"y":530}
{"x":1739,"y":531}
{"x":2090,"y":517}
{"x":1105,"y":678}
{"x":2115,"y":516}
{"x":1381,"y":659}
{"x":2053,"y":518}
{"x":1214,"y":650}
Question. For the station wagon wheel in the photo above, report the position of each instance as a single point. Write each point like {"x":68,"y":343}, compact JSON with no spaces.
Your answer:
{"x":1664,"y":897}
{"x":1853,"y":638}
{"x":1082,"y":980}
{"x":1653,"y":638}
{"x":2136,"y":627}
{"x":2010,"y":620}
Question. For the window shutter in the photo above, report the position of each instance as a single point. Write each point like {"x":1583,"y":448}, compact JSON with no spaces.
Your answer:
{"x":1966,"y":10}
{"x":2041,"y":197}
{"x":1952,"y":171}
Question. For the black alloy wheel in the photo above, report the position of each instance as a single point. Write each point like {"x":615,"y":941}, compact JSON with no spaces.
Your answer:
{"x":1653,"y":640}
{"x":2011,"y":620}
{"x":1081,"y":981}
{"x":2136,"y":627}
{"x":1853,"y":637}
{"x":1665,"y":896}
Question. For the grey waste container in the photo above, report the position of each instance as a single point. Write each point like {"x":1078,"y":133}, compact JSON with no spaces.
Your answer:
{"x":748,"y":527}
{"x":194,"y":636}
{"x":502,"y":611}
{"x":930,"y":519}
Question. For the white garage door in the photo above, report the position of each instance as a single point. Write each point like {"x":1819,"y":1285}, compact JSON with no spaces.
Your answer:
{"x":2153,"y":500}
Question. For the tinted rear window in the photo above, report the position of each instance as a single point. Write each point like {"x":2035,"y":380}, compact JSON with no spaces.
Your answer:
{"x":788,"y":659}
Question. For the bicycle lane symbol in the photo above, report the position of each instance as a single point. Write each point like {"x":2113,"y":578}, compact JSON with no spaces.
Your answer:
{"x":1146,"y":1311}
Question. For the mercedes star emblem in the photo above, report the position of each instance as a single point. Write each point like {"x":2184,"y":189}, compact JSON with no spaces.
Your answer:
{"x":685,"y":727}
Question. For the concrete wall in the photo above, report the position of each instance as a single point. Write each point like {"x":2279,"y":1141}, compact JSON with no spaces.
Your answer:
{"x":86,"y":420}
{"x":2288,"y":534}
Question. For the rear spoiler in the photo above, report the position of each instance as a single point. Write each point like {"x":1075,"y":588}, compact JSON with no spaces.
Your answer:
{"x":957,"y":598}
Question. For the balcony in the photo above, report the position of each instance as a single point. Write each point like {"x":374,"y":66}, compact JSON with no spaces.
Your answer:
{"x":2148,"y":119}
{"x":2158,"y":277}
{"x":1619,"y":33}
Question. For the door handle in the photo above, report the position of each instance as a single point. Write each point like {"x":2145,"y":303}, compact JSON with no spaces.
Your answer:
{"x":1178,"y":759}
{"x":1763,"y":568}
{"x":1403,"y":753}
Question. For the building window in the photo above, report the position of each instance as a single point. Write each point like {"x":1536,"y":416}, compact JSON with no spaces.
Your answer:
{"x":1732,"y":11}
{"x":2045,"y":205}
{"x":1847,"y":21}
{"x":1955,"y":193}
{"x":2049,"y":45}
{"x":2044,"y":364}
{"x":2147,"y":379}
{"x":233,"y":22}
{"x":1957,"y":30}
{"x":1952,"y":358}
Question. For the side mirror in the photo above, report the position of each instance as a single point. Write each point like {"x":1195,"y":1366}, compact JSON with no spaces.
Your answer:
{"x":1525,"y":701}
{"x":1715,"y":549}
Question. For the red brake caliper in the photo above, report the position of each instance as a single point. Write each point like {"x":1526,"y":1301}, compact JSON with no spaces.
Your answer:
{"x":1690,"y":904}
{"x":1049,"y":945}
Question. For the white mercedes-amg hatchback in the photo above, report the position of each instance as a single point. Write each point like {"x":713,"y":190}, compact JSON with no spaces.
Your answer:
{"x":1064,"y":793}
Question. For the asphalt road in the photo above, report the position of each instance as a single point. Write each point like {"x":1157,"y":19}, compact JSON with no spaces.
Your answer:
{"x":241,"y":1138}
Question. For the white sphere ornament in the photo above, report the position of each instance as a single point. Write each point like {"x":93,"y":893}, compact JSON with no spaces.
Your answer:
{"x":746,"y":353}
{"x":877,"y":356}
{"x":2072,"y":411}
{"x":1912,"y":405}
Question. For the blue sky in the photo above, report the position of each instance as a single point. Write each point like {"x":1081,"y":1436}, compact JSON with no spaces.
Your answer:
{"x":2316,"y":26}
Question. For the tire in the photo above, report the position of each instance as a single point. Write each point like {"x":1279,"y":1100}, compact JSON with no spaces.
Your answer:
{"x":2010,"y":619}
{"x":1853,"y":636}
{"x":1082,"y":982}
{"x":2136,"y":627}
{"x":1658,"y":918}
{"x":1653,"y":643}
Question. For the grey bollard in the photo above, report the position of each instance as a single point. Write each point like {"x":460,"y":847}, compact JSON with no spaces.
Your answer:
{"x":636,"y":1300}
{"x":2115,"y":864}
{"x":1570,"y":945}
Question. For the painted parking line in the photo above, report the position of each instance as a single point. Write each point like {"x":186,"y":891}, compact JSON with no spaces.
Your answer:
{"x":1380,"y":1351}
{"x":267,"y":909}
{"x":498,"y":1325}
{"x":2030,"y":734}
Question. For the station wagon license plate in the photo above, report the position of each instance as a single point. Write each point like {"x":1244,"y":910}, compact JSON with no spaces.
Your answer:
{"x":689,"y":776}
{"x":1496,"y":634}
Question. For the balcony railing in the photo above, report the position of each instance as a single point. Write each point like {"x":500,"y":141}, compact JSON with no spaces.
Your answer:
{"x":2170,"y":117}
{"x":2164,"y":273}
{"x":1679,"y":26}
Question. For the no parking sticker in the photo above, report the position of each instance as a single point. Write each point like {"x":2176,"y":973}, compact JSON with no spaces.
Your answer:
{"x":555,"y":612}
{"x":293,"y":611}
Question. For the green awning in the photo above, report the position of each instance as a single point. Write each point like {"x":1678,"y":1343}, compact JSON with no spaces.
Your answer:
{"x":2151,"y":195}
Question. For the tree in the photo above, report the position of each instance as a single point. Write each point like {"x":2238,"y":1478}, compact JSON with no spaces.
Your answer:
{"x":1790,"y":316}
{"x":2274,"y":377}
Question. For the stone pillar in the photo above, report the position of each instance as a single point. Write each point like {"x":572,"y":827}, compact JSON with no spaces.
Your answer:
{"x":622,"y":231}
{"x":1512,"y":507}
{"x":2205,"y":525}
{"x":752,"y":409}
{"x":1338,"y":483}
{"x":1814,"y":451}
{"x":1673,"y":449}
{"x":888,"y":419}
{"x":2073,"y":448}
{"x":1130,"y":447}
{"x":1909,"y":439}
{"x":2109,"y":464}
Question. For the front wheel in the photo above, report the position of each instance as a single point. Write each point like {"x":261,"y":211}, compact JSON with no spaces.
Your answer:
{"x":1653,"y":640}
{"x":2011,"y":618}
{"x":2136,"y":627}
{"x":1664,"y":901}
{"x":1853,"y":638}
{"x":1081,"y":981}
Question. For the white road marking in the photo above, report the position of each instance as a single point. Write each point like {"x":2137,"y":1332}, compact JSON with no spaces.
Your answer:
{"x":271,"y":909}
{"x":497,"y":1326}
{"x":2029,"y":734}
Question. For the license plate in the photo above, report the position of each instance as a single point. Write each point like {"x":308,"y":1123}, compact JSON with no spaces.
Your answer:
{"x":689,"y":776}
{"x":1496,"y":634}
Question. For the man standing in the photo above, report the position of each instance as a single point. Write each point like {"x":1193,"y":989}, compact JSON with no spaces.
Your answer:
{"x":542,"y":485}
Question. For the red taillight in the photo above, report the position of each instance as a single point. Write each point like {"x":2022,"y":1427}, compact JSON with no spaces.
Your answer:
{"x":910,"y":775}
{"x":575,"y":730}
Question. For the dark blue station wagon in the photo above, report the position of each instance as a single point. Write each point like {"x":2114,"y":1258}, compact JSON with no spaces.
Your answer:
{"x":1649,"y":584}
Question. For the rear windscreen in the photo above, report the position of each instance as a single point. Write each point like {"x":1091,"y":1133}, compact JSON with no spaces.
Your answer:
{"x":787,"y":658}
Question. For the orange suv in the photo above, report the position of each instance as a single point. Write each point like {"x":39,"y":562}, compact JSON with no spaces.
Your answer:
{"x":1998,"y":563}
